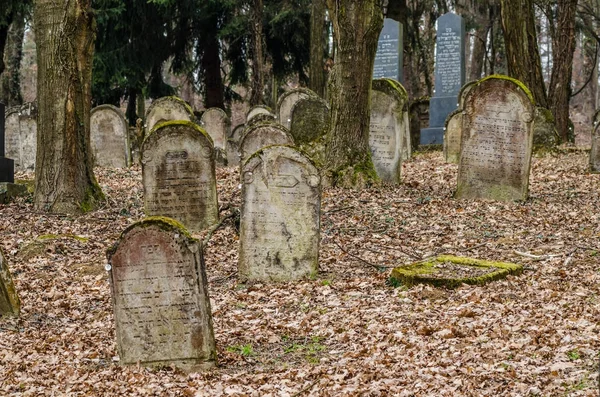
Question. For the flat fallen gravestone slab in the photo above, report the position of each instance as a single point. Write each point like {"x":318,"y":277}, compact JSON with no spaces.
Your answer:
{"x":452,"y":271}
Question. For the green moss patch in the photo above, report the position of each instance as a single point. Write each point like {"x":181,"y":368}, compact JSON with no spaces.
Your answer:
{"x":452,"y":271}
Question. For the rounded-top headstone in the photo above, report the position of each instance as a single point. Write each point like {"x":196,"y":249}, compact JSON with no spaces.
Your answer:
{"x":167,"y":109}
{"x":280,"y":215}
{"x":178,"y":174}
{"x":262,"y":135}
{"x":452,"y":136}
{"x":286,"y":102}
{"x":310,"y":119}
{"x":464,"y":90}
{"x":497,"y":140}
{"x":256,"y":110}
{"x":160,"y":297}
{"x":216,"y":123}
{"x":109,"y":135}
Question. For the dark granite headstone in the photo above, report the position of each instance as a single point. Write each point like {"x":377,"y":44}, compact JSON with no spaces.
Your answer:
{"x":449,"y":75}
{"x":7,"y":166}
{"x":388,"y":59}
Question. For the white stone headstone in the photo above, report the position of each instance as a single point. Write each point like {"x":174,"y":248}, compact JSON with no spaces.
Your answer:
{"x":109,"y":135}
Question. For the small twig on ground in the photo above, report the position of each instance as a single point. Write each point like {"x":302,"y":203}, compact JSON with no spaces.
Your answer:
{"x":474,"y":247}
{"x":215,"y":227}
{"x":224,"y":278}
{"x":378,"y":267}
{"x":338,"y":209}
{"x":398,"y":249}
{"x":307,"y":388}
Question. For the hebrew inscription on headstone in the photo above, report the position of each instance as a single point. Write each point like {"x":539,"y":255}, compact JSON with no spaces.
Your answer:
{"x":388,"y":58}
{"x":497,"y":138}
{"x":178,"y":173}
{"x":279,"y":224}
{"x":261,"y":135}
{"x":109,"y":135}
{"x":167,"y":109}
{"x":160,"y":297}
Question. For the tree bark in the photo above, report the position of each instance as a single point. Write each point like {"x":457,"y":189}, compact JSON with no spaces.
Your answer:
{"x":213,"y":81}
{"x":257,"y":82}
{"x":523,"y":56}
{"x":559,"y":92}
{"x":317,"y":47}
{"x":357,"y":24}
{"x":10,"y":89}
{"x":64,"y":178}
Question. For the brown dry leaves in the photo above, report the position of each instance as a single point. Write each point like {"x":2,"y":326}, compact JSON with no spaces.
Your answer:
{"x":345,"y":333}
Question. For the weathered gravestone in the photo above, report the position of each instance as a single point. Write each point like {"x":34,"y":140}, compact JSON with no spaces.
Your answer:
{"x":7,"y":166}
{"x":388,"y":58}
{"x":167,"y":109}
{"x":595,"y":152}
{"x":464,"y":90}
{"x":261,"y":118}
{"x":109,"y":135}
{"x":452,"y":136}
{"x":160,"y":297}
{"x":256,"y":110}
{"x":389,"y":132}
{"x":449,"y":75}
{"x":310,"y":120}
{"x":261,"y":135}
{"x":233,"y":145}
{"x":286,"y":102}
{"x":178,"y":173}
{"x":216,"y":123}
{"x":21,"y":136}
{"x":279,"y":223}
{"x":496,"y":143}
{"x":9,"y":301}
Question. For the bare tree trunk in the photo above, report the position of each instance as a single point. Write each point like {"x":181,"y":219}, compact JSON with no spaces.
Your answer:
{"x":523,"y":56}
{"x":317,"y":47}
{"x":10,"y":87}
{"x":559,"y":92}
{"x":213,"y":81}
{"x":357,"y":24}
{"x":478,"y":54}
{"x":257,"y":83}
{"x":64,"y":178}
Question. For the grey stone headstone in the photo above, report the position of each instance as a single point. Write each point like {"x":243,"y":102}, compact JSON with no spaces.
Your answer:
{"x":256,"y":110}
{"x":389,"y":132}
{"x":286,"y":102}
{"x":109,"y":135}
{"x":452,"y":137}
{"x":233,"y":145}
{"x":167,"y":109}
{"x":449,"y":75}
{"x":261,"y":118}
{"x":216,"y":123}
{"x":310,"y":120}
{"x":9,"y":301}
{"x":7,"y":166}
{"x":27,"y":137}
{"x":160,"y":297}
{"x":178,"y":174}
{"x":280,"y":215}
{"x":261,"y":135}
{"x":496,"y":142}
{"x":388,"y":58}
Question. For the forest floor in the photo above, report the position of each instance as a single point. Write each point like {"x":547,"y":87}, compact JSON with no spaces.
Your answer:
{"x":347,"y":332}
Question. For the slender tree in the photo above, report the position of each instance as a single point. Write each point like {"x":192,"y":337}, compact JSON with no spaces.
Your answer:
{"x":10,"y":83}
{"x":64,"y":178}
{"x":318,"y":43}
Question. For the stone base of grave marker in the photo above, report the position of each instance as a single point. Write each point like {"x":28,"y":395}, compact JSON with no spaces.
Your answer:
{"x":8,"y":191}
{"x":7,"y":170}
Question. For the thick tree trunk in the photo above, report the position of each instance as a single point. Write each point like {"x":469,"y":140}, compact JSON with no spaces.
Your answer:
{"x":523,"y":56}
{"x":317,"y":47}
{"x":559,"y":92}
{"x":357,"y":24}
{"x":10,"y":89}
{"x":213,"y":81}
{"x":64,"y":178}
{"x":3,"y":40}
{"x":258,"y":79}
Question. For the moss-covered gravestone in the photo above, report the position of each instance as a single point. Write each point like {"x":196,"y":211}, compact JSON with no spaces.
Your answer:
{"x":286,"y":102}
{"x":216,"y":124}
{"x":178,"y":174}
{"x":545,"y":136}
{"x":167,"y":109}
{"x":496,"y":142}
{"x":452,"y":136}
{"x":109,"y":135}
{"x":9,"y":301}
{"x":160,"y":297}
{"x":452,"y":271}
{"x":261,"y":135}
{"x":595,"y":152}
{"x":389,"y":132}
{"x":279,"y":224}
{"x":256,"y":110}
{"x":310,"y":120}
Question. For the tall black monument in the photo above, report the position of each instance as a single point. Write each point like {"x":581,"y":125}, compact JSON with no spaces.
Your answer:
{"x":7,"y":166}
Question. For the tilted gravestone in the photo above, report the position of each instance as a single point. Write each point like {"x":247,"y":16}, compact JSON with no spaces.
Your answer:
{"x":389,"y":131}
{"x":109,"y":135}
{"x":167,"y":109}
{"x":310,"y":120}
{"x":261,"y":135}
{"x":452,"y":136}
{"x":279,"y":223}
{"x":216,"y":123}
{"x":233,"y":145}
{"x":286,"y":102}
{"x":9,"y":301}
{"x":256,"y":110}
{"x":449,"y":75}
{"x":21,"y":136}
{"x":178,"y":174}
{"x":496,"y":143}
{"x":160,"y":297}
{"x":388,"y":58}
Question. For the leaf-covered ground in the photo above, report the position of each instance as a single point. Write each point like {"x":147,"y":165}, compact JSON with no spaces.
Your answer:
{"x":347,"y":332}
